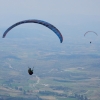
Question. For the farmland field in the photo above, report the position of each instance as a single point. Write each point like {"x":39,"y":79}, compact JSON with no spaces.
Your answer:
{"x":57,"y":75}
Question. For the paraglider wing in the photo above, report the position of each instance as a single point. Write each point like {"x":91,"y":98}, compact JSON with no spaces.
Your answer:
{"x":50,"y":26}
{"x":90,"y":31}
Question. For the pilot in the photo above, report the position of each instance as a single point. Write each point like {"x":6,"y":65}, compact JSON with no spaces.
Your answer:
{"x":30,"y":71}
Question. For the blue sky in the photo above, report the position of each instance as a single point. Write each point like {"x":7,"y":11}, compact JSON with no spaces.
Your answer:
{"x":71,"y":12}
{"x":69,"y":16}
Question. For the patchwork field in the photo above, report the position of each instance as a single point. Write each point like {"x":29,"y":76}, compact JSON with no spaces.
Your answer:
{"x":57,"y":75}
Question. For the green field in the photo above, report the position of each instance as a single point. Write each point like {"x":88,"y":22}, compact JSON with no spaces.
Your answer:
{"x":57,"y":75}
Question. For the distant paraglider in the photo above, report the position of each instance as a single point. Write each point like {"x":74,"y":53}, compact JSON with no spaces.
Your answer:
{"x":50,"y":26}
{"x":89,"y":32}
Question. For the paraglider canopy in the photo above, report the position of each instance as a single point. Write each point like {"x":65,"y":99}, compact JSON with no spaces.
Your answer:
{"x":48,"y":25}
{"x":90,"y":32}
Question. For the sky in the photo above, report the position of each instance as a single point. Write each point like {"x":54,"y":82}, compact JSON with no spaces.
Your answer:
{"x":71,"y":17}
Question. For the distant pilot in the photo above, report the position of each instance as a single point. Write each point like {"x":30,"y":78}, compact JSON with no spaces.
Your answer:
{"x":30,"y":71}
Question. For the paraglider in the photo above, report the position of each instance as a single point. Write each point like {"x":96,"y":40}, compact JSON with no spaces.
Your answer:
{"x":92,"y":32}
{"x":30,"y":71}
{"x":46,"y":24}
{"x":50,"y":26}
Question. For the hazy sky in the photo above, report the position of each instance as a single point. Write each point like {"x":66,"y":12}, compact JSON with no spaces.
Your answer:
{"x":67,"y":15}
